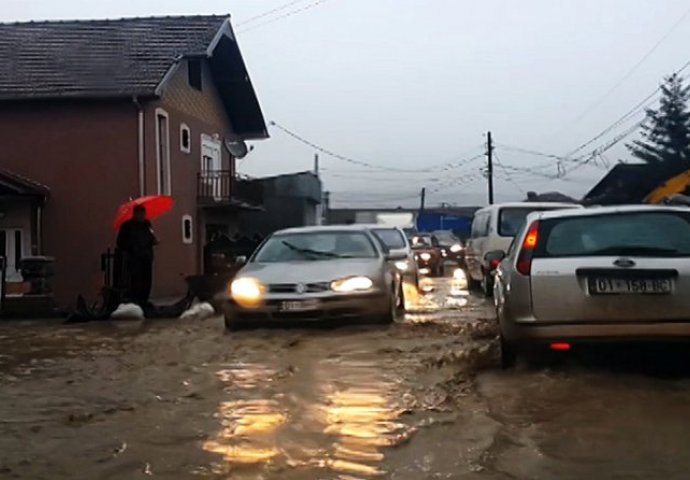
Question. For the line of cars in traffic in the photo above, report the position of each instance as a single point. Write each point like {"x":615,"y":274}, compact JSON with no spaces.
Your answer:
{"x":559,"y":274}
{"x":562,"y":275}
{"x":335,"y":273}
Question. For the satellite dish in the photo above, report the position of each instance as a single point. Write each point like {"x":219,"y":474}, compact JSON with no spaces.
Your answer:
{"x":237,"y":148}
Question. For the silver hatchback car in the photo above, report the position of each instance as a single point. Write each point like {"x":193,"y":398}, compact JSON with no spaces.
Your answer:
{"x":605,"y":273}
{"x":316,"y":274}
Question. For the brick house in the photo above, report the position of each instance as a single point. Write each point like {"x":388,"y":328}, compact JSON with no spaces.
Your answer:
{"x":93,"y":113}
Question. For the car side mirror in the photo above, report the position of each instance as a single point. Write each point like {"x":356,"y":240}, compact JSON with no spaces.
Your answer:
{"x":495,"y":256}
{"x":241,"y":260}
{"x":395,"y":256}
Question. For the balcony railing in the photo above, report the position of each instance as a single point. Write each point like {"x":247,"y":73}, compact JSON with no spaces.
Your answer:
{"x":221,"y":187}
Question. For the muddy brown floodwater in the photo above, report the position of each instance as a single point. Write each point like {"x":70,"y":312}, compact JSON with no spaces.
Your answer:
{"x":422,"y":399}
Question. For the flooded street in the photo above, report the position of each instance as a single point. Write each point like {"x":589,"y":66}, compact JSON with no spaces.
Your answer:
{"x":420,"y":399}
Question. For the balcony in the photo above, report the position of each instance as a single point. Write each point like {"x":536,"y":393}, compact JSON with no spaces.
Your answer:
{"x":222,"y":188}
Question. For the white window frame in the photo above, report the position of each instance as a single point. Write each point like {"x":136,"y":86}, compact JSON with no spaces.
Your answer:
{"x":188,"y":240}
{"x":185,"y":128}
{"x":162,"y":113}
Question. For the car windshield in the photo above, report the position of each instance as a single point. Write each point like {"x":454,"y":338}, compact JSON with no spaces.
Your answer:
{"x":446,"y":238}
{"x":315,"y":246}
{"x":391,"y":238}
{"x":510,"y":219}
{"x":422,"y":241}
{"x":644,"y":234}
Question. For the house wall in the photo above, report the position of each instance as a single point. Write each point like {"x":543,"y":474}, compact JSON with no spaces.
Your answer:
{"x":86,"y":152}
{"x":203,"y":113}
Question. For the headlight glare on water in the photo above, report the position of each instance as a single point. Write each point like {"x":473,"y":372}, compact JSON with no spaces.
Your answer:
{"x":352,"y":284}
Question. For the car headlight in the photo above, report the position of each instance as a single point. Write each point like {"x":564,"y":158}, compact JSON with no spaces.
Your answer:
{"x":444,"y":253}
{"x":425,"y":256}
{"x":247,"y":292}
{"x":456,"y":248}
{"x":402,"y":265}
{"x":352,"y":284}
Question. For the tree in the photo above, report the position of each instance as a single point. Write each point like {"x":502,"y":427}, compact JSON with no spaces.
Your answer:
{"x":665,"y":132}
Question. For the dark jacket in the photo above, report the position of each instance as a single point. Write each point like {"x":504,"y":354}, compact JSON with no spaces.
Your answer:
{"x":137,"y":239}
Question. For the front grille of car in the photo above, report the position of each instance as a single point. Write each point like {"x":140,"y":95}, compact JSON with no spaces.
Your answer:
{"x":292,"y":287}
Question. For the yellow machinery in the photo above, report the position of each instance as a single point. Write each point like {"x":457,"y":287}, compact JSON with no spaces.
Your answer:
{"x":671,"y":187}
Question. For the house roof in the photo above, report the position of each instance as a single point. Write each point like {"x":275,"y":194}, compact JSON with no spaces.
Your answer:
{"x":626,"y":183}
{"x":12,"y":184}
{"x":124,"y":58}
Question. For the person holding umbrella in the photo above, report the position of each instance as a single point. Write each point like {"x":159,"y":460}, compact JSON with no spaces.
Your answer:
{"x":135,"y":241}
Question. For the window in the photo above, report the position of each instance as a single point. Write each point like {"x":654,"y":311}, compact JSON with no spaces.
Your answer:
{"x":318,"y":246}
{"x":194,"y":72}
{"x":185,"y":138}
{"x":391,"y":238}
{"x":187,"y":230}
{"x":163,"y":152}
{"x":657,"y":234}
{"x":511,"y":219}
{"x":480,"y":225}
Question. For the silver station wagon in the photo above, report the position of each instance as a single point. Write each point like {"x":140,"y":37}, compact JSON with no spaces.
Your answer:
{"x":606,"y":273}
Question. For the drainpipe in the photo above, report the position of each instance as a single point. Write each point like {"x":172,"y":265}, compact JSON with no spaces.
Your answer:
{"x":140,"y":139}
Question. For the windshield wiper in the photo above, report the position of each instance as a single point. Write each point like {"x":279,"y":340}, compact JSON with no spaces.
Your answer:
{"x":633,"y":250}
{"x":309,"y":251}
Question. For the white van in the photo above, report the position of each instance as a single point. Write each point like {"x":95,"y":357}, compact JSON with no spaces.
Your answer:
{"x":493,"y":228}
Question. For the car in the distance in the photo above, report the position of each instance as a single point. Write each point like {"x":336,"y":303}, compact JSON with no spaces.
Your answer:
{"x":316,"y":274}
{"x":493,"y":228}
{"x":605,"y":273}
{"x":452,"y":248}
{"x":427,"y":253}
{"x":397,"y":243}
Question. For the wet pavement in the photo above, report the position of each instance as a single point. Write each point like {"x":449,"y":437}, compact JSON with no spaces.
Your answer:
{"x":421,"y":399}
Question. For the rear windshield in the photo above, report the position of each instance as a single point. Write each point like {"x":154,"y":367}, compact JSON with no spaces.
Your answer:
{"x":644,"y":234}
{"x":446,"y":238}
{"x":391,"y":238}
{"x":510,"y":219}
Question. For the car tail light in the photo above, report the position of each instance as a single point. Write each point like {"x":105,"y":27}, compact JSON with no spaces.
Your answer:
{"x":561,"y":346}
{"x":494,"y":264}
{"x":529,"y":244}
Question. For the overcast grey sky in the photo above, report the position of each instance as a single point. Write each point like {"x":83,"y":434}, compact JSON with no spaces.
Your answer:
{"x":407,"y":84}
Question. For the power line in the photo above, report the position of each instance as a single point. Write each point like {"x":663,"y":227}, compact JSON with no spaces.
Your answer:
{"x":631,"y":71}
{"x":534,"y":152}
{"x":361,"y":163}
{"x":642,"y":105}
{"x":285,"y":15}
{"x":270,"y":12}
{"x":509,"y":177}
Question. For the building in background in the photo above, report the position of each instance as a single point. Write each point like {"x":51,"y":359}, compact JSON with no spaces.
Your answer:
{"x":290,"y":200}
{"x":93,"y":113}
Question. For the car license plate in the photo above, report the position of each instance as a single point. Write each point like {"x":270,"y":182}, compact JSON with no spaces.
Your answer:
{"x":632,"y":286}
{"x":299,"y":306}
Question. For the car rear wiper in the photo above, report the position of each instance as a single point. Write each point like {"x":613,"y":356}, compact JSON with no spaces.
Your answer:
{"x":633,"y":250}
{"x":309,"y":251}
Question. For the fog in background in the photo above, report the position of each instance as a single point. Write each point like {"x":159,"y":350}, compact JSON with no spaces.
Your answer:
{"x":411,"y":86}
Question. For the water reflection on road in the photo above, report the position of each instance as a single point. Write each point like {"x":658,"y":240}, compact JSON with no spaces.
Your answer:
{"x":341,"y":421}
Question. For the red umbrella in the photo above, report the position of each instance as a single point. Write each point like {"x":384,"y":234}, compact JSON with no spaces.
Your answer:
{"x":155,"y":205}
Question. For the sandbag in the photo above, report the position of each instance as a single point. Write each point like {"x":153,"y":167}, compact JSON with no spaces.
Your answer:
{"x":199,"y":311}
{"x":129,"y":311}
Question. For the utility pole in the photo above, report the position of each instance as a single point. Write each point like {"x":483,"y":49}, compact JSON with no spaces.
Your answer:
{"x":490,"y":166}
{"x":316,"y":164}
{"x":422,"y":200}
